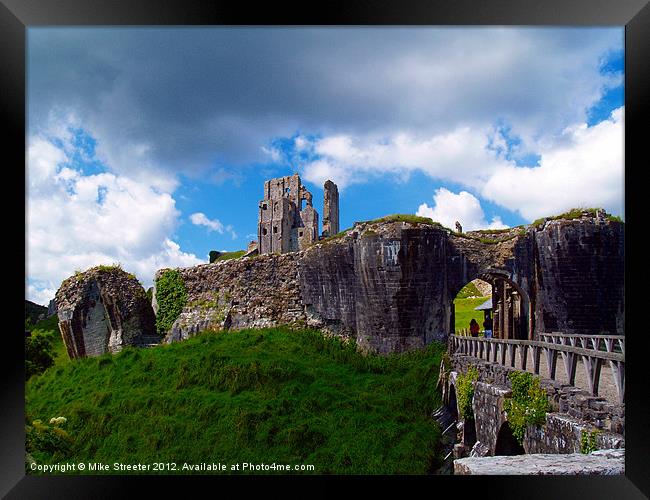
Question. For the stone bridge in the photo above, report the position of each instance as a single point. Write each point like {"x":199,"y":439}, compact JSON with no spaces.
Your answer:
{"x":575,"y":412}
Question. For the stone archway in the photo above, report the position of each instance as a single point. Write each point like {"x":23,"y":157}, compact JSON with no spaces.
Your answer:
{"x":512,"y":311}
{"x":507,"y":443}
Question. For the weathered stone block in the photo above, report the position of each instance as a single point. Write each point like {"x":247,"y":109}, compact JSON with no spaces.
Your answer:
{"x":604,"y":462}
{"x":102,"y":310}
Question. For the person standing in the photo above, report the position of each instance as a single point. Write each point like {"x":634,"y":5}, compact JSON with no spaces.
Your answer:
{"x":473,"y":328}
{"x":487,"y":326}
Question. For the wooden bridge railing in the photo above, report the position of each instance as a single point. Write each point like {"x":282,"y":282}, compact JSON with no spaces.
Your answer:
{"x":607,"y":343}
{"x":495,"y":350}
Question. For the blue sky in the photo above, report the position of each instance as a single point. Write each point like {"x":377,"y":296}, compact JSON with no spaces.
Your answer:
{"x":150,"y":146}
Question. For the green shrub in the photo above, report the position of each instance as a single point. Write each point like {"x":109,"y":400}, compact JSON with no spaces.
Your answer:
{"x":39,"y":353}
{"x":52,"y":440}
{"x":465,"y":392}
{"x":528,"y":404}
{"x":171,"y":297}
{"x":588,"y":441}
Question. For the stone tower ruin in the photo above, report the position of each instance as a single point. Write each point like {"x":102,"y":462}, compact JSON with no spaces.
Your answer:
{"x":330,"y":209}
{"x":284,"y":225}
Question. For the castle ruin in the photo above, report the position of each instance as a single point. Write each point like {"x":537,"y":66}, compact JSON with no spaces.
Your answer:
{"x":284,"y":225}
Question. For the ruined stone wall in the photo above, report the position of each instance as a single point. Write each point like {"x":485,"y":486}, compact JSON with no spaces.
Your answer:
{"x":391,"y":285}
{"x":386,"y":283}
{"x":330,"y":209}
{"x":579,"y":277}
{"x":102,"y":310}
{"x":571,"y":271}
{"x":240,"y":293}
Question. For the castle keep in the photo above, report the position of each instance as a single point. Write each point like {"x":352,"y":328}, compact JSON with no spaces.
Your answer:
{"x":284,"y":225}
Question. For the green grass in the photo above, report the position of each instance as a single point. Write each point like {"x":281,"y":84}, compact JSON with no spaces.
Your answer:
{"x":334,"y":237}
{"x":574,"y":213}
{"x":413,"y":219}
{"x":260,"y":396}
{"x":231,"y":255}
{"x":464,"y":312}
{"x":469,"y":290}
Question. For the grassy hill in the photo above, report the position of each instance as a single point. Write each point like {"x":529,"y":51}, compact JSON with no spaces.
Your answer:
{"x":258,"y":396}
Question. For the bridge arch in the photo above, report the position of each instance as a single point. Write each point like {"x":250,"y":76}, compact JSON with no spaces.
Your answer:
{"x":507,"y":443}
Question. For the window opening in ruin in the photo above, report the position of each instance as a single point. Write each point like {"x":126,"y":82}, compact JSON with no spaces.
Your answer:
{"x":264,"y":206}
{"x":300,"y":233}
{"x":264,"y":231}
{"x":275,"y":230}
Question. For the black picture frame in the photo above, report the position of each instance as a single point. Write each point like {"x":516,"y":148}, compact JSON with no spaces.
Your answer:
{"x":17,"y":15}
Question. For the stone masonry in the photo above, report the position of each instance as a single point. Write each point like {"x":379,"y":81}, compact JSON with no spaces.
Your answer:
{"x":391,"y":285}
{"x":330,"y":209}
{"x":572,"y":412}
{"x":102,"y":310}
{"x":602,"y":462}
{"x":283,"y":224}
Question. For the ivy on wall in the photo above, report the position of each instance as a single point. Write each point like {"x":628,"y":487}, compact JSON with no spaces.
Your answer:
{"x":528,"y":404}
{"x":465,"y":392}
{"x":588,"y":441}
{"x":171,"y":297}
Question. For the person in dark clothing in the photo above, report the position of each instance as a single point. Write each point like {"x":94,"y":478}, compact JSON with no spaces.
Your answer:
{"x":473,"y":328}
{"x":487,"y":326}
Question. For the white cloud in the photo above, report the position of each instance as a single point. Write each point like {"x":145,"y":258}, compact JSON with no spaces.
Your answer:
{"x":583,"y":168}
{"x":462,"y":207}
{"x":301,"y":143}
{"x":200,"y":219}
{"x":459,"y":155}
{"x":76,"y":221}
{"x":40,"y":295}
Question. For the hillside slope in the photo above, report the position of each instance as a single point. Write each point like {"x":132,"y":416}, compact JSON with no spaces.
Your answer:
{"x":256,"y":396}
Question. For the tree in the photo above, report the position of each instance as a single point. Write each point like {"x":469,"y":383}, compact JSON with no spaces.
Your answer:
{"x":38,"y":354}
